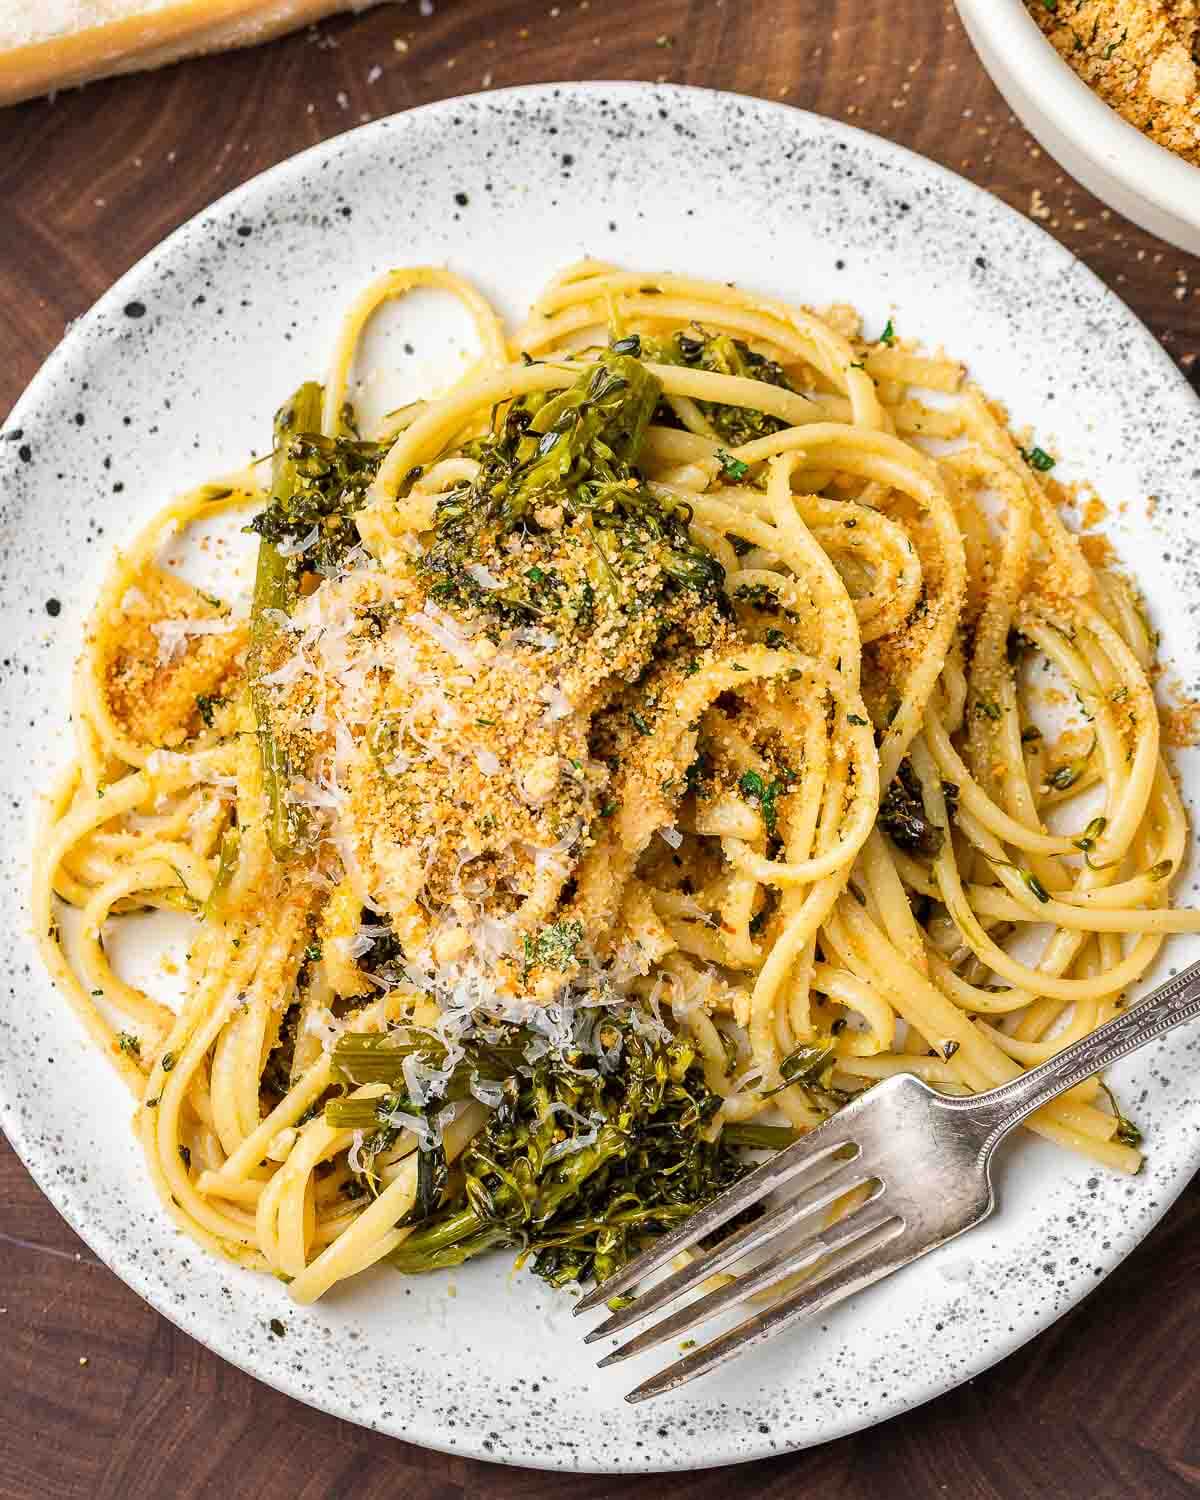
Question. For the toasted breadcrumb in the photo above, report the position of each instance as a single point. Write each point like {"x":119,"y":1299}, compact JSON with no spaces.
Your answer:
{"x":157,"y":670}
{"x":1181,"y":724}
{"x":1140,"y":56}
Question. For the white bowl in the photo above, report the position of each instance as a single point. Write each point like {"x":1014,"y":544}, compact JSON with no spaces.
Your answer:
{"x":1114,"y":160}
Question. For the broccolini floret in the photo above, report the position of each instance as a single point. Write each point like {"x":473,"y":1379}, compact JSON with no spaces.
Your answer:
{"x":320,"y":485}
{"x":723,"y":355}
{"x":903,"y":818}
{"x":560,"y":470}
{"x":586,"y":1157}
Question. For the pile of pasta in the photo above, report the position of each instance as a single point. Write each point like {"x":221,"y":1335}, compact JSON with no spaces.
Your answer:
{"x":917,"y":578}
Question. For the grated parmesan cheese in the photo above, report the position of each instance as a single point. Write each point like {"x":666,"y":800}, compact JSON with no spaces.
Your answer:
{"x":173,"y":635}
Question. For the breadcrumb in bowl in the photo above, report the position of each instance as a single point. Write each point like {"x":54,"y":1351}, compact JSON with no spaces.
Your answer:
{"x":1155,"y":185}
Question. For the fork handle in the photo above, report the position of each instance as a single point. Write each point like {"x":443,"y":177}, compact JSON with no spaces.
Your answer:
{"x":1000,"y":1110}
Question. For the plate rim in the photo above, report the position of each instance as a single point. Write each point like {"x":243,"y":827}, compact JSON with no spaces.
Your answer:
{"x":58,"y":1191}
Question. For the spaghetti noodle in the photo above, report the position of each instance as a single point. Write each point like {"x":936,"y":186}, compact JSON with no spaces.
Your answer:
{"x":652,"y":714}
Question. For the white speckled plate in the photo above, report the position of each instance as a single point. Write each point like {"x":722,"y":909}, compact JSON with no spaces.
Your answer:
{"x":173,"y":377}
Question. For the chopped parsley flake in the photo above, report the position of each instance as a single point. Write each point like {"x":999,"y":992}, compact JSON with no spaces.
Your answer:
{"x":205,"y":704}
{"x":732,"y":468}
{"x":766,"y":794}
{"x":1038,"y":458}
{"x":554,"y":947}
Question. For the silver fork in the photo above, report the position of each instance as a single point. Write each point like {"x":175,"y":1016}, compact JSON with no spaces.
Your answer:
{"x":922,"y":1157}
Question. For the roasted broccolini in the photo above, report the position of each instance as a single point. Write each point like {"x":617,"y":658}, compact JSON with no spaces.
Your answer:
{"x":586,"y":1156}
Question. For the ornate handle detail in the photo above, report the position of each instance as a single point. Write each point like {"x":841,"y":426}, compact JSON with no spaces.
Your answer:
{"x":1001,"y":1109}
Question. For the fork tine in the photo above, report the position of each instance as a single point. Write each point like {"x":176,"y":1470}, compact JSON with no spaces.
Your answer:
{"x":847,"y":1232}
{"x":790,"y":1162}
{"x":817,"y":1195}
{"x":858,"y":1267}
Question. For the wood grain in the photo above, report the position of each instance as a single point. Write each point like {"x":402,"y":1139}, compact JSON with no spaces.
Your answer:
{"x":1104,"y":1403}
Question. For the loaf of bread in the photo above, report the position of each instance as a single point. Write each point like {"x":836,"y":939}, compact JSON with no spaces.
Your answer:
{"x":52,"y":44}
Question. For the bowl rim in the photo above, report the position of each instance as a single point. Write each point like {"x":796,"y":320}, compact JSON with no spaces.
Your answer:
{"x":1093,"y":127}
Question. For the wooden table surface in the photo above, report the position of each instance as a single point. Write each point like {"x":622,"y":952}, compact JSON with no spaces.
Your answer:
{"x":103,"y":1399}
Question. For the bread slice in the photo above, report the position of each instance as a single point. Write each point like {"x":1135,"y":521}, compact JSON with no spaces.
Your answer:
{"x":52,"y":44}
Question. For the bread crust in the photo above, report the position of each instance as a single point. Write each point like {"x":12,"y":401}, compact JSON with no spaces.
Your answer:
{"x":152,"y":39}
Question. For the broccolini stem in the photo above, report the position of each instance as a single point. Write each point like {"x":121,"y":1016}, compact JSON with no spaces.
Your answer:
{"x":453,"y":1241}
{"x":575,"y":1169}
{"x":274,"y":588}
{"x":227,"y":861}
{"x":377,"y":1057}
{"x":356,"y":1114}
